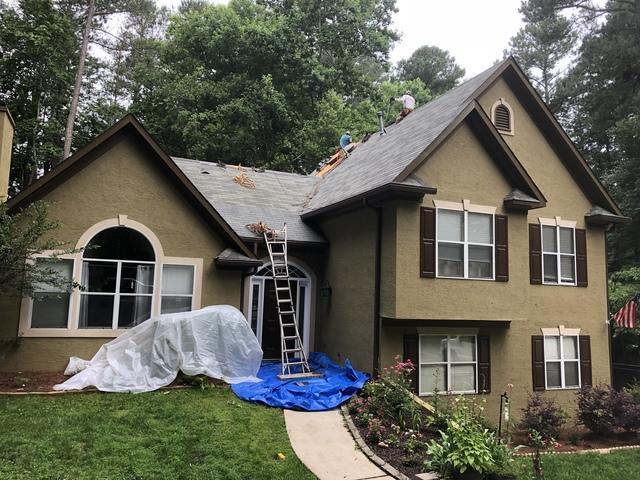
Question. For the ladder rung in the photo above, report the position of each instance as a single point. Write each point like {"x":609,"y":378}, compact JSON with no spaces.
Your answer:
{"x":282,"y":300}
{"x":288,"y":324}
{"x":288,"y":312}
{"x":282,"y":288}
{"x":290,"y":337}
{"x":295,"y":363}
{"x":280,"y":254}
{"x":289,"y":350}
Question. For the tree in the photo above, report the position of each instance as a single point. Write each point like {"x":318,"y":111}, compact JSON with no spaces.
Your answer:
{"x":546,"y":39}
{"x":23,"y":235}
{"x":37,"y":64}
{"x":435,"y":67}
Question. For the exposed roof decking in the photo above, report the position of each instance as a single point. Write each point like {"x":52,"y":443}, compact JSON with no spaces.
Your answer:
{"x":278,"y":197}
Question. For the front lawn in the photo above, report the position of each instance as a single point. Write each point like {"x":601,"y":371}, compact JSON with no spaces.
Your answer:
{"x":620,"y":465}
{"x":177,"y":434}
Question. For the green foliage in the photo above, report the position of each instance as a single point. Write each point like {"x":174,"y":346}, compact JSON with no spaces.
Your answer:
{"x":596,"y":409}
{"x":465,"y":445}
{"x":543,"y":416}
{"x":435,"y":67}
{"x":181,"y":434}
{"x":22,"y":235}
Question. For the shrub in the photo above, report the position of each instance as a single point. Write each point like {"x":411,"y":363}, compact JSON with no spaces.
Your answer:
{"x":543,"y":415}
{"x":596,"y":408}
{"x":465,"y":445}
{"x":627,"y":410}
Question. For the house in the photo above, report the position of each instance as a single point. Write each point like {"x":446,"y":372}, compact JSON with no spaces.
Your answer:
{"x":470,"y":239}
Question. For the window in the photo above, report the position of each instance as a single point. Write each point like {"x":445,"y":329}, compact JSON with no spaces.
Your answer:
{"x":118,"y":271}
{"x":448,"y":363}
{"x":558,"y":255}
{"x":465,"y":244}
{"x":561,"y":361}
{"x":177,"y":288}
{"x":502,"y":117}
{"x":51,"y":304}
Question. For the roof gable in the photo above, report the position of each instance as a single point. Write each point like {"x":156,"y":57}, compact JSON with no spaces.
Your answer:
{"x":128,"y":125}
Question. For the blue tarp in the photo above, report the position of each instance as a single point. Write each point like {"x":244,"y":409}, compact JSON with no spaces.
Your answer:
{"x":337,"y":386}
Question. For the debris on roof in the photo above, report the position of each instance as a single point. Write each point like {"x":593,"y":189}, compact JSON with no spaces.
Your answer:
{"x":243,"y":179}
{"x":259,"y":228}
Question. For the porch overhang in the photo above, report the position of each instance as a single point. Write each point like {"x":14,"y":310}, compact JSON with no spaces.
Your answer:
{"x":599,"y":216}
{"x":423,"y":322}
{"x":230,"y":259}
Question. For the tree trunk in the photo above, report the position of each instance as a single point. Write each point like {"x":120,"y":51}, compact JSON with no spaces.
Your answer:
{"x":73,"y":109}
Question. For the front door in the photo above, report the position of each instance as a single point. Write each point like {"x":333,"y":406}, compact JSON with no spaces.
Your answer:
{"x":270,"y":323}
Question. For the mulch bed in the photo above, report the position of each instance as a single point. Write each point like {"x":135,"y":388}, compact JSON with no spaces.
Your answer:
{"x":24,"y":382}
{"x":30,"y":381}
{"x":396,"y":457}
{"x":586,"y":441}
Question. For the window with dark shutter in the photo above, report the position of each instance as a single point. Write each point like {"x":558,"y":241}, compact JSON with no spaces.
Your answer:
{"x":484,"y":365}
{"x":502,"y":118}
{"x":410,"y":352}
{"x":537,"y":362}
{"x":502,"y":248}
{"x":581,"y":258}
{"x":535,"y":254}
{"x":585,"y":360}
{"x":427,"y":242}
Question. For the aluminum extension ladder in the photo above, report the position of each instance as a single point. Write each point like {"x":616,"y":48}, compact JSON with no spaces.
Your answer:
{"x":292,"y":350}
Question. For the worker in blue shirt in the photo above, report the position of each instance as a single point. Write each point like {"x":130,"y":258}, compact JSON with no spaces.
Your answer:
{"x":345,"y":141}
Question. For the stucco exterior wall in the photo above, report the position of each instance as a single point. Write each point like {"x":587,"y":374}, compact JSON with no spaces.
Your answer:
{"x":345,"y":325}
{"x":123,"y":181}
{"x":461,"y":169}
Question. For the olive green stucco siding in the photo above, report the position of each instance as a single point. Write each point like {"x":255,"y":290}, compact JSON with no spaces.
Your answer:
{"x":461,"y":169}
{"x":123,"y":181}
{"x":345,"y":323}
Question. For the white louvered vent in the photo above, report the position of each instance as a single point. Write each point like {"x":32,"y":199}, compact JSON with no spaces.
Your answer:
{"x":502,"y":118}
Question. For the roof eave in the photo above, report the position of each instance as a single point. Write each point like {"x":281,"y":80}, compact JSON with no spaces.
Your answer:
{"x":381,"y":194}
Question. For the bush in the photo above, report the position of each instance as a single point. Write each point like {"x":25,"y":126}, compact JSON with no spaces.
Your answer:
{"x":543,"y":415}
{"x":627,"y":408}
{"x":466,"y":445}
{"x":596,"y":408}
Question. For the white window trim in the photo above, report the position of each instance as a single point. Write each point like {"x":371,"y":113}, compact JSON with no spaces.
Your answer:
{"x":562,"y":362}
{"x":448,"y":364}
{"x":502,"y":101}
{"x":558,"y":224}
{"x":72,"y":330}
{"x":467,"y":207}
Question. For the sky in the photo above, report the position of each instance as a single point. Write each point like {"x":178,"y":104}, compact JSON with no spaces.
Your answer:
{"x":475,"y":32}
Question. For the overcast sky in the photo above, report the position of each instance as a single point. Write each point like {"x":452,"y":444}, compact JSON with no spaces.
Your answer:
{"x":475,"y":32}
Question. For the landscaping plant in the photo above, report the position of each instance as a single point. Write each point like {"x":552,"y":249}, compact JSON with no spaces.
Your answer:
{"x":543,"y":415}
{"x":466,"y":445}
{"x":596,"y":409}
{"x":540,"y":443}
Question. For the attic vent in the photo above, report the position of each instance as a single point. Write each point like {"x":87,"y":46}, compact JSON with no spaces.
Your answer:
{"x":502,"y":117}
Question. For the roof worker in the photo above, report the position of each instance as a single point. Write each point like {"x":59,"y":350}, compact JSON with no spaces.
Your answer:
{"x":408,"y":105}
{"x":346,"y":142}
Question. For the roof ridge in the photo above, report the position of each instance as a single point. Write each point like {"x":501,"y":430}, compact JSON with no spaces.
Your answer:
{"x":246,"y":167}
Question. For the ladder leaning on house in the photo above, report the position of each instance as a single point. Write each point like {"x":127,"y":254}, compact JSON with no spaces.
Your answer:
{"x":292,"y":350}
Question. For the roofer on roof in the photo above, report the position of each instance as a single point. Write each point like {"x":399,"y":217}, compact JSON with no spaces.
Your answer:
{"x":408,"y":105}
{"x":346,"y":143}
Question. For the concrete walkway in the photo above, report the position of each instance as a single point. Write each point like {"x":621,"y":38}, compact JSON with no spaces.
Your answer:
{"x":323,"y":443}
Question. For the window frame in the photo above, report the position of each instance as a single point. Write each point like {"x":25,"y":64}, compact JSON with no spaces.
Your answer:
{"x":72,"y":329}
{"x":558,"y":255}
{"x":562,"y":362}
{"x":193,"y":290}
{"x":465,"y":242}
{"x":448,"y":363}
{"x":27,"y":302}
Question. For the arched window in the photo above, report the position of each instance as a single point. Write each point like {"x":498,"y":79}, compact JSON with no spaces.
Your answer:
{"x":502,"y":117}
{"x":118,"y":271}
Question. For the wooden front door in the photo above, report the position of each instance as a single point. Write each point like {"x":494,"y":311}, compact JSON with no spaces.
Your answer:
{"x":270,"y":322}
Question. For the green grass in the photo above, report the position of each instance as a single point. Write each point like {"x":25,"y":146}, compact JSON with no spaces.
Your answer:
{"x":620,"y":465}
{"x":178,"y":434}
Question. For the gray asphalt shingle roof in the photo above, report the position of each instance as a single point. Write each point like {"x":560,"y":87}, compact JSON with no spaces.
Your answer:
{"x":280,"y":197}
{"x":382,"y":158}
{"x":277,"y":197}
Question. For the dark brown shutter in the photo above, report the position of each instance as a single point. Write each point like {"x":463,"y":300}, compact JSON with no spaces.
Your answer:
{"x":427,"y":242}
{"x":410,"y":352}
{"x":537,"y":362}
{"x":581,"y":257}
{"x":484,"y":365}
{"x":535,"y":254}
{"x":502,"y":248}
{"x":585,"y":360}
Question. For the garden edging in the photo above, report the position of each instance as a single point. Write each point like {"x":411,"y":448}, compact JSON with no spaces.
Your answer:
{"x":582,"y":452}
{"x":393,"y":472}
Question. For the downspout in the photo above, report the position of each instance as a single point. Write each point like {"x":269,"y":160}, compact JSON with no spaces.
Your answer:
{"x":609,"y":325}
{"x":377,"y":282}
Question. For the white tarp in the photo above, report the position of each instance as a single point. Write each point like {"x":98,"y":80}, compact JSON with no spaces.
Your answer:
{"x":215,"y":341}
